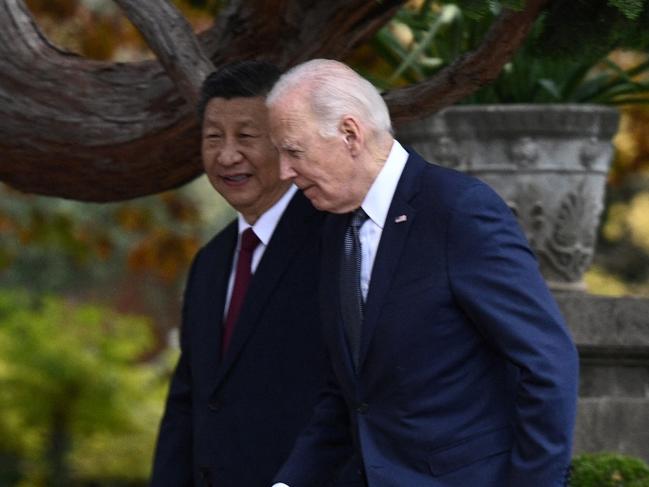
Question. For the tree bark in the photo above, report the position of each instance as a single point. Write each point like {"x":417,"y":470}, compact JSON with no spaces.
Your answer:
{"x":172,"y":39}
{"x":98,"y":131}
{"x":84,"y":129}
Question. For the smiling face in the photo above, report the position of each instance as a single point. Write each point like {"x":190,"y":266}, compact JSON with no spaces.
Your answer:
{"x":324,"y":168}
{"x":239,"y":159}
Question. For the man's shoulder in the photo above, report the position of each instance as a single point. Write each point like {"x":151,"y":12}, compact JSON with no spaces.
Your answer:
{"x":437,"y":175}
{"x":224,"y":241}
{"x":299,"y":218}
{"x":301,"y":206}
{"x":439,"y":186}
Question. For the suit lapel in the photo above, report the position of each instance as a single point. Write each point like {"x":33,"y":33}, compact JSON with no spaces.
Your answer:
{"x":287,"y":238}
{"x":218,"y":263}
{"x":401,"y":216}
{"x":335,"y":231}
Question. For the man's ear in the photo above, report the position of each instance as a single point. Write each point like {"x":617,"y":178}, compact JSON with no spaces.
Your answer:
{"x":352,"y":134}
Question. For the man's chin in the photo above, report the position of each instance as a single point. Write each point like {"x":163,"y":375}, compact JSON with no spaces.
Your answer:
{"x":325,"y":206}
{"x":312,"y":194}
{"x":320,"y":203}
{"x":236,"y":201}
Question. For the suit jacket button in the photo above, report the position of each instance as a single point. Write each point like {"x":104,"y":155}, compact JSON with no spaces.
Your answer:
{"x":215,"y":405}
{"x":362,"y":408}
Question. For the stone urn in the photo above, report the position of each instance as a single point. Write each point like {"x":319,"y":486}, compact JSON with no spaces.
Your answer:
{"x":548,"y":162}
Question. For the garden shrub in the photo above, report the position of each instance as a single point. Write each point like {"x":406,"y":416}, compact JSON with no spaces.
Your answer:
{"x":78,"y":405}
{"x":609,"y":470}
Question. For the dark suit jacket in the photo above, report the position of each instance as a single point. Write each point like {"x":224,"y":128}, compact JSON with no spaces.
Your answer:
{"x":231,"y":422}
{"x":468,"y":375}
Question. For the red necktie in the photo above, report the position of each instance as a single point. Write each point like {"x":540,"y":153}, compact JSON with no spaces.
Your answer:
{"x":249,"y":242}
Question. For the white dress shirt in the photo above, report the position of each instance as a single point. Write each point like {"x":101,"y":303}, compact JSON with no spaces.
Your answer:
{"x":263,"y":228}
{"x":376,"y":204}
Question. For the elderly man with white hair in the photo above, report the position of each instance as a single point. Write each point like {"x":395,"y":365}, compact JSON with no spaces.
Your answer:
{"x":450,"y":362}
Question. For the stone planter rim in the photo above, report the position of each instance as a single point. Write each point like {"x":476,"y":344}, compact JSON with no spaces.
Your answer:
{"x":517,"y":107}
{"x":600,"y":121}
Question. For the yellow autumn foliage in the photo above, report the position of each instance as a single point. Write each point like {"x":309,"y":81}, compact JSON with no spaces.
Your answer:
{"x":637,"y":220}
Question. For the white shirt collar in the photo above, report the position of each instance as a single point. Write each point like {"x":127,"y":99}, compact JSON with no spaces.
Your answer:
{"x":266,"y":223}
{"x":378,"y":199}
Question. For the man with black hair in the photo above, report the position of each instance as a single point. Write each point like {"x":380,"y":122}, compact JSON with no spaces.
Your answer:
{"x":252,"y":357}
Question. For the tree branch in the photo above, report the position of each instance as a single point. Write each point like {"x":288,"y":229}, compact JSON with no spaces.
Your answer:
{"x":469,"y":72}
{"x":98,"y":131}
{"x":83,"y":129}
{"x":172,"y":39}
{"x":290,"y":32}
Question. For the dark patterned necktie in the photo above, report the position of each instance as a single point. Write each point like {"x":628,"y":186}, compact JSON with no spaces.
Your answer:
{"x":351,"y":298}
{"x":249,"y":242}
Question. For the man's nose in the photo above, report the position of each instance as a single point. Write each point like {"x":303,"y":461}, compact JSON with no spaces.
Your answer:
{"x":229,"y":153}
{"x":286,"y":171}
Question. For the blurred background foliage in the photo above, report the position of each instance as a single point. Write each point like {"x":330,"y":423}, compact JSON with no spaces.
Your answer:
{"x":78,"y":401}
{"x":90,"y":294}
{"x":89,"y":307}
{"x":90,"y":298}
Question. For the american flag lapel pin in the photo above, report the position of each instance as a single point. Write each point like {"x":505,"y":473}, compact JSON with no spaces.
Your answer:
{"x":400,"y":219}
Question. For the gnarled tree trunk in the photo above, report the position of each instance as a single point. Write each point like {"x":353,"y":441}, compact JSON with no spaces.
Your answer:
{"x":99,"y":131}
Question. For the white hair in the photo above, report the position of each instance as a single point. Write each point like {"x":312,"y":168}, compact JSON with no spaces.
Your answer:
{"x":333,"y":91}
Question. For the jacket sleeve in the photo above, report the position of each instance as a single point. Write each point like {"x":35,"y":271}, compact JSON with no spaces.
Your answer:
{"x":324,"y":446}
{"x":172,"y":464}
{"x":495,"y":279}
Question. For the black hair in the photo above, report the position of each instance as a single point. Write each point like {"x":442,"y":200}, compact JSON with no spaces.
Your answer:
{"x":248,"y":79}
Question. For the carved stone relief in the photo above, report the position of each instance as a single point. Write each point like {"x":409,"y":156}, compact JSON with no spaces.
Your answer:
{"x":447,"y":152}
{"x":568,"y":250}
{"x":524,"y":152}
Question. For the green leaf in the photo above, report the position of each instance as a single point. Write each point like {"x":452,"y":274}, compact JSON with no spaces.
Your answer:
{"x":630,"y":8}
{"x":551,"y":87}
{"x":447,"y":15}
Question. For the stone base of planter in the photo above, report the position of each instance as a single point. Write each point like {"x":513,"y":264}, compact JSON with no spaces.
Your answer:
{"x":612,"y":335}
{"x":609,"y":424}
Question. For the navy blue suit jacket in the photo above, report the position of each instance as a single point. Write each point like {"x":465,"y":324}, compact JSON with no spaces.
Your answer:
{"x":231,"y":421}
{"x":468,"y":375}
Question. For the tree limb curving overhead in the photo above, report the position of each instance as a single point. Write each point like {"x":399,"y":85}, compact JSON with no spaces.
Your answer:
{"x":99,"y":131}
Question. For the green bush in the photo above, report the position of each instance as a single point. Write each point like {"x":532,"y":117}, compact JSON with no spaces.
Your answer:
{"x":78,"y":406}
{"x":609,"y":470}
